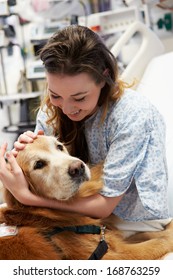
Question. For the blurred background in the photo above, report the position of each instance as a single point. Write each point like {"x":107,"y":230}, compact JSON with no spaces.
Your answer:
{"x":25,"y":26}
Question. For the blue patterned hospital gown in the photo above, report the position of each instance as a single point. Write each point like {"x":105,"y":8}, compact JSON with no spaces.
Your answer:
{"x":131,"y":142}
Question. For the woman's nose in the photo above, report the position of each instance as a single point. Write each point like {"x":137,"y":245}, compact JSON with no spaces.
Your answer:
{"x":66,"y":108}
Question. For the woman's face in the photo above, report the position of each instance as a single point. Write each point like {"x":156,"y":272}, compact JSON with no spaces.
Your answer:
{"x":77,"y":96}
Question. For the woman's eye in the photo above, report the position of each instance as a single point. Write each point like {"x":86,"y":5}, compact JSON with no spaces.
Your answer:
{"x":60,"y":147}
{"x":55,"y":96}
{"x":80,"y":99}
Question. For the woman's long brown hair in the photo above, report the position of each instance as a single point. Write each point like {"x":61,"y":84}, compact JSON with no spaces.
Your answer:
{"x":71,"y":51}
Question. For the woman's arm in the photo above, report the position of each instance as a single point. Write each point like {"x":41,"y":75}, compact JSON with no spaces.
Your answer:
{"x":96,"y":206}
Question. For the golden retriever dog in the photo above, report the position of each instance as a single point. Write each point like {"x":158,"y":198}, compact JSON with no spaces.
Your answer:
{"x":34,"y":233}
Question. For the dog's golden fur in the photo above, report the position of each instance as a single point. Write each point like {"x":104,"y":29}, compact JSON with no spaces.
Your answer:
{"x":52,"y":172}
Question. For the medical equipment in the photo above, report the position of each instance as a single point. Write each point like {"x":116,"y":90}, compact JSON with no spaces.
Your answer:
{"x":5,"y":6}
{"x":2,"y":38}
{"x":40,"y":33}
{"x":4,"y":9}
{"x":43,"y":31}
{"x":111,"y":21}
{"x":35,"y":70}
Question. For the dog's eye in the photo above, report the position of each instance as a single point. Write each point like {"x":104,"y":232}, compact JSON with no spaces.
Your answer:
{"x":39,"y":164}
{"x":60,"y":147}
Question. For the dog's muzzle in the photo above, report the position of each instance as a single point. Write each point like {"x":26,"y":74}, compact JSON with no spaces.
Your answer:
{"x":78,"y":171}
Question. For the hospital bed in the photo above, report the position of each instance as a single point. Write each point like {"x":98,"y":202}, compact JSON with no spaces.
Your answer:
{"x":151,"y":68}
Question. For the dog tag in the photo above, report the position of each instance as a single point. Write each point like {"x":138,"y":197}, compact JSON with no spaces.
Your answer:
{"x":7,"y":230}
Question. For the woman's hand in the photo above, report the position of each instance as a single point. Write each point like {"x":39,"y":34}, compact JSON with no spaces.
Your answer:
{"x":11,"y":175}
{"x":14,"y":180}
{"x":23,"y":139}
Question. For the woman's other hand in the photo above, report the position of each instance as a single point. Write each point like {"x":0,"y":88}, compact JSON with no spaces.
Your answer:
{"x":25,"y":138}
{"x":11,"y":174}
{"x":14,"y":180}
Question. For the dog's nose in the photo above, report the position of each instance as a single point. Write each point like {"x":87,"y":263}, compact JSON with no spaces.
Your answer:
{"x":76,"y":169}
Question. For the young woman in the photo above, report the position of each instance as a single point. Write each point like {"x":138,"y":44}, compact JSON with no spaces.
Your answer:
{"x":99,"y":119}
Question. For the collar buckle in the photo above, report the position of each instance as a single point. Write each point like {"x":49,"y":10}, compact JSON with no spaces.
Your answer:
{"x":102,"y":233}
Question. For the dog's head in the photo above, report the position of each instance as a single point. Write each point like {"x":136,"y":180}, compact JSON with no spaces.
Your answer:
{"x":50,"y":170}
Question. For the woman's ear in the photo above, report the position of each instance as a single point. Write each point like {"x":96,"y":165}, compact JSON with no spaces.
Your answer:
{"x":105,"y":73}
{"x":102,"y":84}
